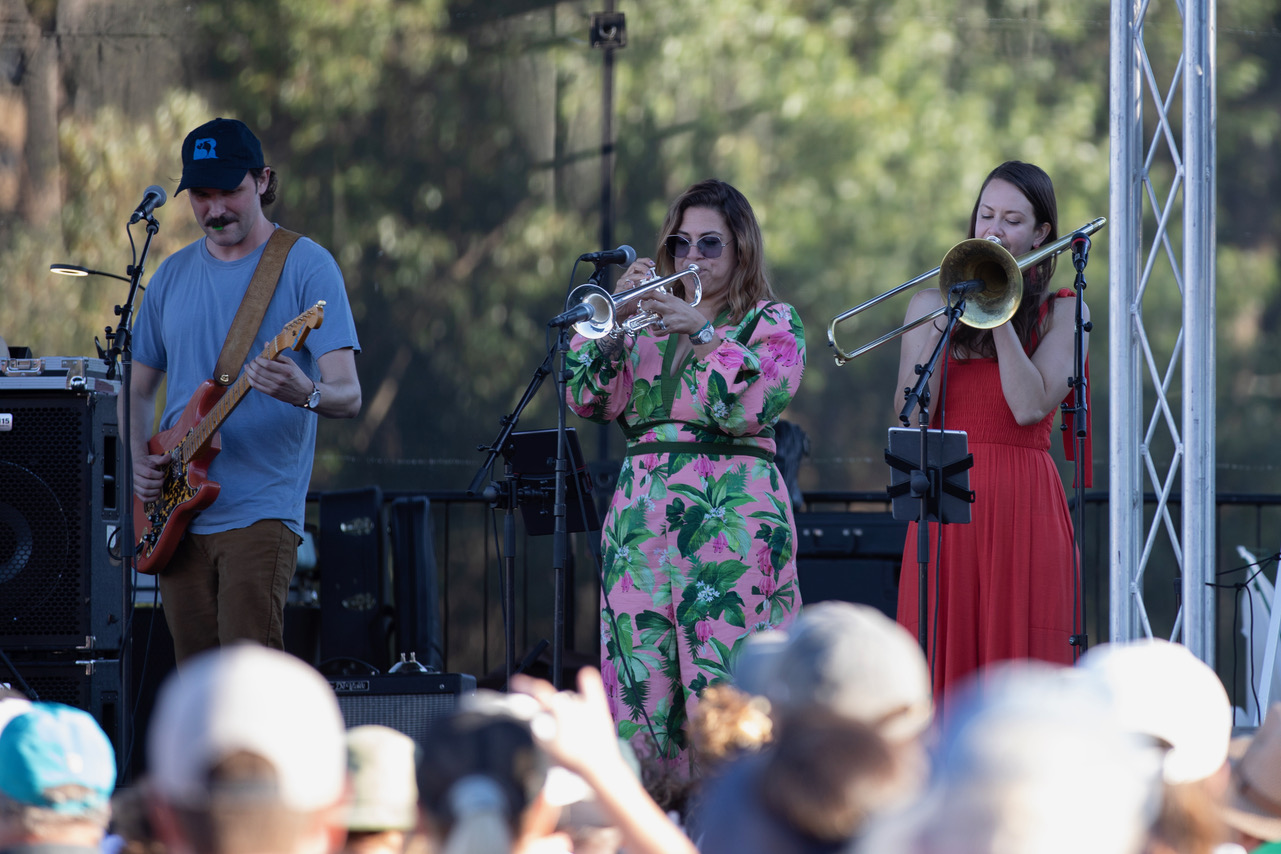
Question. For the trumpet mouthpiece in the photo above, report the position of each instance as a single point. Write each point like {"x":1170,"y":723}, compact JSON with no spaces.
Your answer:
{"x":994,"y":239}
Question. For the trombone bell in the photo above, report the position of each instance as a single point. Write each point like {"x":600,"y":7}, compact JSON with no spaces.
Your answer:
{"x":992,"y":264}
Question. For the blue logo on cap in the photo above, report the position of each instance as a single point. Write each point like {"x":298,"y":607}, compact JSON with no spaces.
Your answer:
{"x":205,"y":149}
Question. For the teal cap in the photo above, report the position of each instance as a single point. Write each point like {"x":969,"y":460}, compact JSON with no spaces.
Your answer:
{"x":51,"y":746}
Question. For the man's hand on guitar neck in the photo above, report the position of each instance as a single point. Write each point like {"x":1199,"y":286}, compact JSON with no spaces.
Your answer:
{"x":279,"y":378}
{"x":282,"y":379}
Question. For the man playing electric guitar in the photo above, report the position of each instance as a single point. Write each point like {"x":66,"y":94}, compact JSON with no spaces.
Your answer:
{"x":228,"y":578}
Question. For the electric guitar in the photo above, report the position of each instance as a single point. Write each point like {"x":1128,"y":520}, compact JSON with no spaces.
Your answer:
{"x":191,"y":444}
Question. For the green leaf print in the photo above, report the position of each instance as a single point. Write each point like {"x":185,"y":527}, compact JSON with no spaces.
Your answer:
{"x":717,"y":504}
{"x":623,"y":548}
{"x":656,"y":634}
{"x":777,"y":517}
{"x":709,"y":593}
{"x":776,"y":399}
{"x":686,"y":540}
{"x":723,"y":408}
{"x":627,"y":730}
{"x":718,"y":666}
{"x":646,"y":398}
{"x":730,"y":609}
{"x":626,"y":477}
{"x":675,"y":514}
{"x":633,"y":675}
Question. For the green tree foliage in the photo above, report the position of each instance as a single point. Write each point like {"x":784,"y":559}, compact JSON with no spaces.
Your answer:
{"x":449,"y":154}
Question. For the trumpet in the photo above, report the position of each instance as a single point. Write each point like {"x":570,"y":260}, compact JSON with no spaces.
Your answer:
{"x":605,"y":306}
{"x":976,"y":258}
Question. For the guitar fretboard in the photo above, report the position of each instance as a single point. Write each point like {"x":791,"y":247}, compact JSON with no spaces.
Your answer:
{"x":291,"y":336}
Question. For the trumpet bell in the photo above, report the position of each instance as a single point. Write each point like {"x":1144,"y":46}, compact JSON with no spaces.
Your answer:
{"x":601,"y":323}
{"x":992,"y":264}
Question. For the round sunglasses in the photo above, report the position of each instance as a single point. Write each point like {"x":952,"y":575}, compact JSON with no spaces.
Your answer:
{"x":710,"y":246}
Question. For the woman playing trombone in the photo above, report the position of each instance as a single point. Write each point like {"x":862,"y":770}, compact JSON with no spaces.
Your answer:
{"x":1000,"y":587}
{"x":699,"y":542}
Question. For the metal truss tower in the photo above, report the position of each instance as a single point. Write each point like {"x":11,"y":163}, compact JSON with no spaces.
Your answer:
{"x":1162,"y":393}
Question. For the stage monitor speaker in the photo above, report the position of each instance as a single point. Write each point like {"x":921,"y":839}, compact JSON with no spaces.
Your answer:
{"x":851,"y":557}
{"x":60,"y":502}
{"x":413,"y":574}
{"x":406,"y":702}
{"x":93,"y":685}
{"x":355,"y":622}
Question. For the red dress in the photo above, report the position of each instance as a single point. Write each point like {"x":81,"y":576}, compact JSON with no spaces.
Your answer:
{"x":1006,"y":577}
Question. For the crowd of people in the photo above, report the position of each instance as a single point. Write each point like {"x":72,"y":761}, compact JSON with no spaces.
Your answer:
{"x":1128,"y":752}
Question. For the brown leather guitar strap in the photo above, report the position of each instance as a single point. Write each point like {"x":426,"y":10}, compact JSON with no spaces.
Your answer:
{"x":254,"y":306}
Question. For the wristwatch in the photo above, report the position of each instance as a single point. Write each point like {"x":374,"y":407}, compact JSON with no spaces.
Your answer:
{"x":313,"y":399}
{"x":702,"y":336}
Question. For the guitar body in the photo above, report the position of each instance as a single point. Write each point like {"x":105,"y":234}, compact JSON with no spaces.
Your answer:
{"x":159,"y":525}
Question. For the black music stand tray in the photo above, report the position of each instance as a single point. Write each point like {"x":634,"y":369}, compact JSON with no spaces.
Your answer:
{"x":946,"y":472}
{"x":532,"y":457}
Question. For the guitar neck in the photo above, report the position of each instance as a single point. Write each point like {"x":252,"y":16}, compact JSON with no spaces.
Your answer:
{"x":198,"y":439}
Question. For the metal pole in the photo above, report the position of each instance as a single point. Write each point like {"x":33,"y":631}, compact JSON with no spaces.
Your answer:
{"x":1199,"y":328}
{"x":1125,"y":237}
{"x":609,"y":46}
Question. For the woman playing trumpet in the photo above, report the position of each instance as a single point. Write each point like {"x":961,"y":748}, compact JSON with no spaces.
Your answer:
{"x":1003,"y":584}
{"x":699,"y":542}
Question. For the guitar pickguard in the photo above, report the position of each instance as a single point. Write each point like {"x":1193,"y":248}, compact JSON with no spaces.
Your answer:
{"x":176,"y":491}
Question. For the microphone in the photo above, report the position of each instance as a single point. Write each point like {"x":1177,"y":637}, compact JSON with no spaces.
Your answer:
{"x":152,"y":198}
{"x":970,"y":286}
{"x":582,"y":311}
{"x":1080,"y":251}
{"x":623,"y":256}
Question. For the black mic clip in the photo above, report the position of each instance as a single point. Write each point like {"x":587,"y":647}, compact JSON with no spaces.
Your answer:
{"x":967,"y":287}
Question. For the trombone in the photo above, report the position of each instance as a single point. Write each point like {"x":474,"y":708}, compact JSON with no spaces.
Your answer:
{"x":605,"y":305}
{"x":975,"y":258}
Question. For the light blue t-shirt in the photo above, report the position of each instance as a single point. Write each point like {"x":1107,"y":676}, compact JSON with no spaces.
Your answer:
{"x":268,"y":446}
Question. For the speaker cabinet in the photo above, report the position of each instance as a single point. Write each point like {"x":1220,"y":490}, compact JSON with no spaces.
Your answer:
{"x":60,"y":497}
{"x":355,"y":622}
{"x":407,"y":702}
{"x":93,"y":685}
{"x":853,"y":557}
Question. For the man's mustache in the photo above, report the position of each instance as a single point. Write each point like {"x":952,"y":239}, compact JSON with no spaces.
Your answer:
{"x":220,"y":221}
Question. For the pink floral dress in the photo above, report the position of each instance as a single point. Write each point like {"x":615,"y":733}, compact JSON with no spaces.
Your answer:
{"x":699,"y":545}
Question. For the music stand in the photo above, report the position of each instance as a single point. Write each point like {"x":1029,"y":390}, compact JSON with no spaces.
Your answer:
{"x":946,"y":491}
{"x":924,"y":486}
{"x":531,"y":455}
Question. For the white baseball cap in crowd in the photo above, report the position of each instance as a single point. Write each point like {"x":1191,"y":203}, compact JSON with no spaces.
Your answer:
{"x":248,"y":699}
{"x":1161,"y":690}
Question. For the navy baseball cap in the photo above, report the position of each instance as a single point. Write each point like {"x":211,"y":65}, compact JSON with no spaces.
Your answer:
{"x":218,"y":154}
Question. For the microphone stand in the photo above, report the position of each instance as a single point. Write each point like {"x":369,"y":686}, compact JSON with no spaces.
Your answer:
{"x":508,"y":496}
{"x":1080,"y":640}
{"x":560,"y":532}
{"x":926,"y":480}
